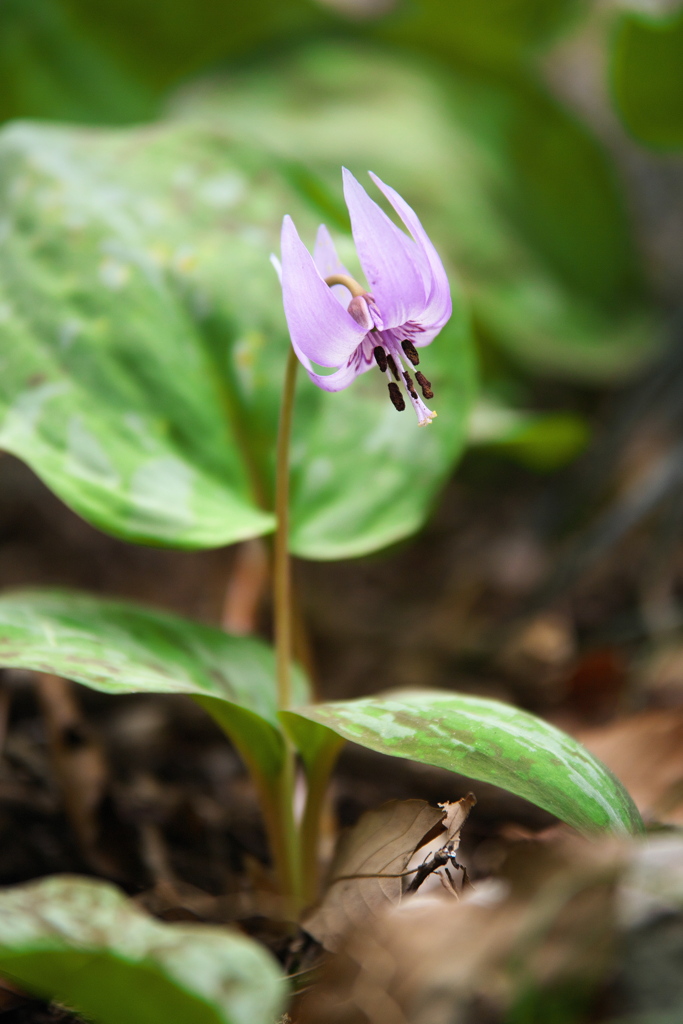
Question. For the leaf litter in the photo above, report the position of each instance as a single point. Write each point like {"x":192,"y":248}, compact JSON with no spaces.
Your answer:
{"x":376,"y":858}
{"x":645,"y":752}
{"x":543,"y":941}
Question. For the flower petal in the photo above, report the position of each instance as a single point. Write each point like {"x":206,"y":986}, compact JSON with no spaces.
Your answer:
{"x":390,"y":260}
{"x":328,"y":263}
{"x":358,"y":363}
{"x":338,"y":380}
{"x":277,"y":266}
{"x":439,"y":306}
{"x":318,"y":325}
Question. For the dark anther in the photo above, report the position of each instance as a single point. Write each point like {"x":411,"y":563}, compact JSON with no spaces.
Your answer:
{"x":410,"y":351}
{"x":380,"y":358}
{"x":409,"y":384}
{"x":425,"y":384}
{"x":396,"y":396}
{"x":392,"y":366}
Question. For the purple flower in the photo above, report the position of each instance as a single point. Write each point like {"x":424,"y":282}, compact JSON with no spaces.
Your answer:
{"x":335,"y":322}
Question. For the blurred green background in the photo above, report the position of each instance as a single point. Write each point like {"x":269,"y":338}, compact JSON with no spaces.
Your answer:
{"x":531,"y":135}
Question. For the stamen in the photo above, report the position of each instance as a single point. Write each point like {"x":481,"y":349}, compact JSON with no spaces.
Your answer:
{"x":410,"y":352}
{"x":425,"y":384}
{"x":380,"y":358}
{"x":409,"y":384}
{"x":392,"y":366}
{"x":396,"y":396}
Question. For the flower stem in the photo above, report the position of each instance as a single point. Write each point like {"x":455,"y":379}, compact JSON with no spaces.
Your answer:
{"x":318,"y":772}
{"x":282,"y":594}
{"x":288,"y":856}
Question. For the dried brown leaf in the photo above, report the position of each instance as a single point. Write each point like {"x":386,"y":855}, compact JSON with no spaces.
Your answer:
{"x":455,"y":816}
{"x":365,"y":874}
{"x":645,"y":752}
{"x":548,"y":928}
{"x":456,"y":812}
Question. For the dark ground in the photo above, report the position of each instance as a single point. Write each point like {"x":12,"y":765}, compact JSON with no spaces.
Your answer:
{"x":559,"y":592}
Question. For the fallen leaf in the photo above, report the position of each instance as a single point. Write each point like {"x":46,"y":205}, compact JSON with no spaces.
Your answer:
{"x":365,"y":876}
{"x":456,"y":813}
{"x":645,"y":752}
{"x":536,"y":942}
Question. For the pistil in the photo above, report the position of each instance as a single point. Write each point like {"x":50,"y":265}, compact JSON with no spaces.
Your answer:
{"x":424,"y":415}
{"x":409,"y":384}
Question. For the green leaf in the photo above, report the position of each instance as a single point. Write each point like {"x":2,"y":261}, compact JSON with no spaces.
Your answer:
{"x":493,"y":34}
{"x":541,"y":441}
{"x":164,"y":44}
{"x":63,"y":59}
{"x":107,"y":388}
{"x":359,"y":438}
{"x":81,"y":942}
{"x":116,"y":647}
{"x":647,"y":58}
{"x":487,"y":740}
{"x":512,"y":188}
{"x":144,"y":345}
{"x":50,"y":68}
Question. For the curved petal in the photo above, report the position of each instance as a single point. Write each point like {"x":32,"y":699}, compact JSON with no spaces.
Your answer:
{"x":277,"y":266}
{"x":318,"y":325}
{"x":338,"y":380}
{"x":328,"y":263}
{"x":438,"y":307}
{"x":390,"y":259}
{"x":426,"y":335}
{"x":342,"y":377}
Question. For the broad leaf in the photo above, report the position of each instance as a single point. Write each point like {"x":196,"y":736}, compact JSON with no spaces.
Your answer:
{"x":496,"y":35}
{"x":50,"y":68}
{"x":118,"y":648}
{"x":65,"y":60}
{"x":519,"y":194}
{"x":171,"y":41}
{"x":81,"y":942}
{"x":144,"y":345}
{"x":107,"y":389}
{"x":487,"y":740}
{"x":647,"y":58}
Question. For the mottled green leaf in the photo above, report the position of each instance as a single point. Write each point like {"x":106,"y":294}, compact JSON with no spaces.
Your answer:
{"x":491,"y":741}
{"x":518,"y":194}
{"x":81,"y":942}
{"x":118,"y":647}
{"x":143,"y":348}
{"x":647,"y":77}
{"x":107,"y":388}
